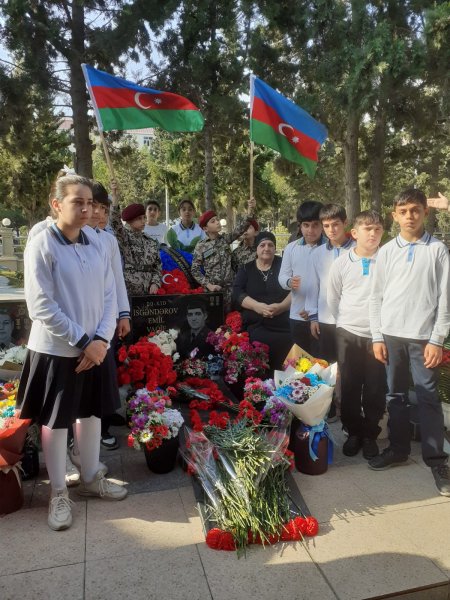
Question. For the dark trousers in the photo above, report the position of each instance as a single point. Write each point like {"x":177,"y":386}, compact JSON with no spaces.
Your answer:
{"x":363,"y":385}
{"x":301,"y":334}
{"x":404,"y":354}
{"x":325,"y":346}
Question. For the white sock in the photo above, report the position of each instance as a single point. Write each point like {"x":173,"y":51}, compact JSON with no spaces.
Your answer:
{"x":88,"y":436}
{"x":54,"y":445}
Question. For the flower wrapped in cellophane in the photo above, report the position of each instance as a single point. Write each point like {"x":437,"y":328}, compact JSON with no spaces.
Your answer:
{"x":306,"y":386}
{"x":242,"y":471}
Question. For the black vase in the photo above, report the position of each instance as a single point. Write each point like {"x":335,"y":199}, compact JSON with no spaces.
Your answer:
{"x":163,"y":459}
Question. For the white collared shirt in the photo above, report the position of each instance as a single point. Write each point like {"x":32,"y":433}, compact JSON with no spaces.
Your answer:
{"x":348,"y":292}
{"x":297,"y":261}
{"x":70,"y":292}
{"x":410,"y":291}
{"x":316,"y":300}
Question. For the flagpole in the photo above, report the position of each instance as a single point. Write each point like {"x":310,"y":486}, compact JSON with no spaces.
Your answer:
{"x":252,"y":145}
{"x":167,"y":204}
{"x":107,"y":155}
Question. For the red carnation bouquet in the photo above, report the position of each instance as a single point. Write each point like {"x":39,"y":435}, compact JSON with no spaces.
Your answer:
{"x":143,"y":364}
{"x":242,"y":472}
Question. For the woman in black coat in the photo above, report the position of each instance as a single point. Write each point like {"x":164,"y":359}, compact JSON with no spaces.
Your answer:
{"x":263,"y":302}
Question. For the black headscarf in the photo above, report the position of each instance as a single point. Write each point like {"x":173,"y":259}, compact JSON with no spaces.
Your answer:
{"x":263,"y":236}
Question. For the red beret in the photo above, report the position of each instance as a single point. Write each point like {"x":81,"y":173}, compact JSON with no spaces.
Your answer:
{"x":206,"y":216}
{"x":253,"y":222}
{"x":133,"y":211}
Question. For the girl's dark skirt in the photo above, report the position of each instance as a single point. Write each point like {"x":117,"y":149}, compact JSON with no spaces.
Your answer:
{"x":52,"y":394}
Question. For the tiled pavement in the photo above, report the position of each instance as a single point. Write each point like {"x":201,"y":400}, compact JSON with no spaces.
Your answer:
{"x":382,"y":535}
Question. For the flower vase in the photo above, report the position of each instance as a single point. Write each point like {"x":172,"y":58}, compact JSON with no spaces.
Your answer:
{"x":303,"y":460}
{"x":162,"y":459}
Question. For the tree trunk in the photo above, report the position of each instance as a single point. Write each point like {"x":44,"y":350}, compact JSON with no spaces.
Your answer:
{"x":431,"y":222}
{"x":377,"y":159}
{"x":351,"y":164}
{"x":209,"y":175}
{"x":78,"y":95}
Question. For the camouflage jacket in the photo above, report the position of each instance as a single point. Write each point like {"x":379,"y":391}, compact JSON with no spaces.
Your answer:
{"x":211,"y":262}
{"x":242,"y":255}
{"x":140,"y":254}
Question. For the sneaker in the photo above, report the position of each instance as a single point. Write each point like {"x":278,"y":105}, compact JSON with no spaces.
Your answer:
{"x":352,"y":446}
{"x":109,"y":442}
{"x":102,"y":488}
{"x":332,"y":415}
{"x":59,"y":510}
{"x":75,"y":458}
{"x":388,"y":458}
{"x":72,"y":473}
{"x":441,"y":475}
{"x":369,"y":448}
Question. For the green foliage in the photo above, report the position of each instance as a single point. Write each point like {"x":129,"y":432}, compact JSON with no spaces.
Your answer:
{"x":31,"y":153}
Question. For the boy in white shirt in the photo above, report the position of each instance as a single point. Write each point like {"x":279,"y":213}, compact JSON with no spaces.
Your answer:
{"x":294,"y":271}
{"x":409,"y":321}
{"x":323,"y":326}
{"x":363,"y":378}
{"x":154,"y":229}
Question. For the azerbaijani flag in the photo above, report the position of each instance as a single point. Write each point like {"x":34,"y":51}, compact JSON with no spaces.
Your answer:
{"x":120,"y":104}
{"x":278,"y":123}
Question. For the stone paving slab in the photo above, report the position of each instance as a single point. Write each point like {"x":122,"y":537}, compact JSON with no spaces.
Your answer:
{"x":382,"y":535}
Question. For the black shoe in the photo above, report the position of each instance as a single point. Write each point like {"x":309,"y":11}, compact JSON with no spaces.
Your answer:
{"x":369,"y":448}
{"x":352,"y":446}
{"x":109,"y":442}
{"x":388,"y":458}
{"x":441,"y":475}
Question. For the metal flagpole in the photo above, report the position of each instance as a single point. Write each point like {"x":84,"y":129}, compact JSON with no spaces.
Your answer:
{"x":252,"y":145}
{"x":167,"y":204}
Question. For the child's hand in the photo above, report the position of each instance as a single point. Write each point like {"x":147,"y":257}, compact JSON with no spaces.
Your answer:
{"x":84,"y":364}
{"x":315,"y":329}
{"x":380,"y":352}
{"x":153,"y":289}
{"x":115,"y":192}
{"x":251,"y":205}
{"x":96,"y":351}
{"x":304,"y":315}
{"x":212,"y":287}
{"x":123,"y":328}
{"x":295,"y":282}
{"x":432,"y":356}
{"x":440,"y":203}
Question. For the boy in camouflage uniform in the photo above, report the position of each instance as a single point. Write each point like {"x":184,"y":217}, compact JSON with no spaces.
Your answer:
{"x":246,"y":251}
{"x":140,"y":253}
{"x":211,"y":264}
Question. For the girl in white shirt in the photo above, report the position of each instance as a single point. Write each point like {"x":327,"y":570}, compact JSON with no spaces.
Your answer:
{"x":71,"y":300}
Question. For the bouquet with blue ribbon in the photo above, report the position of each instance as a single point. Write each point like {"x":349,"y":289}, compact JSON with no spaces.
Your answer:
{"x":315,"y":434}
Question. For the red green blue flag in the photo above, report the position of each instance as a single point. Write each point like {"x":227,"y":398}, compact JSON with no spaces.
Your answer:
{"x":280,"y":124}
{"x":120,"y":104}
